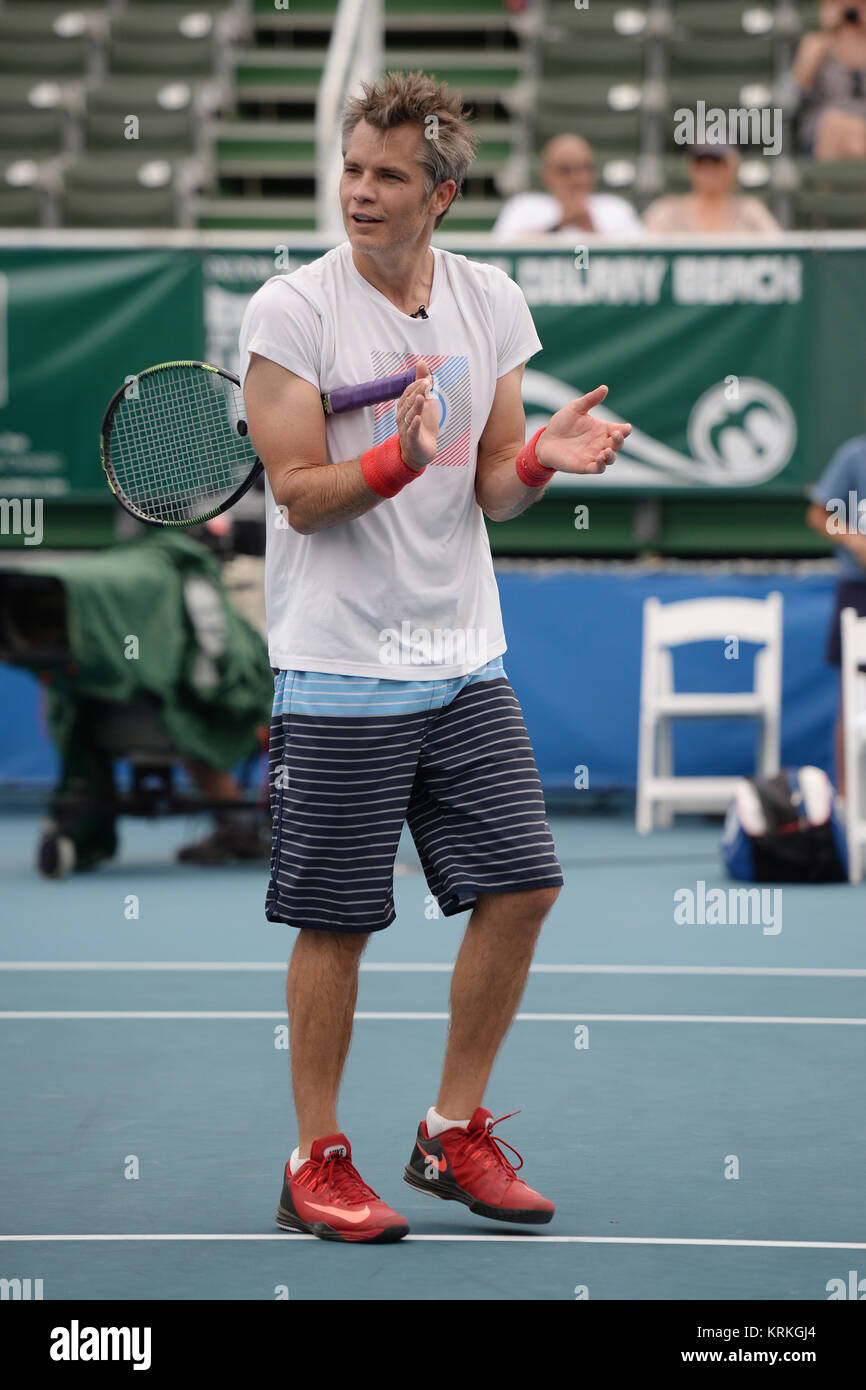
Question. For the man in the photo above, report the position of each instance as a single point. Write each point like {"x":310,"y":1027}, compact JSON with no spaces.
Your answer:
{"x":570,"y":205}
{"x":391,"y":701}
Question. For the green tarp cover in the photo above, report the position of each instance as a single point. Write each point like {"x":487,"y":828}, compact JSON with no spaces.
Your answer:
{"x":151,"y":617}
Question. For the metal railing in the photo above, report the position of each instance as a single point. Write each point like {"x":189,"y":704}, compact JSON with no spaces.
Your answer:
{"x":355,"y":54}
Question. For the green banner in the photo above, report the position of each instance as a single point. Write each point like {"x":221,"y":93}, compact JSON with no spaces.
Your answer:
{"x":739,"y":369}
{"x":75,"y":324}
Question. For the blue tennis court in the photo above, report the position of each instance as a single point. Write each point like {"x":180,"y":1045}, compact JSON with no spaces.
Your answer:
{"x":688,"y":1094}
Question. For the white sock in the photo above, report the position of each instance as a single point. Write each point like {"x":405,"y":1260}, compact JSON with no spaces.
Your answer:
{"x":436,"y":1123}
{"x":296,"y":1162}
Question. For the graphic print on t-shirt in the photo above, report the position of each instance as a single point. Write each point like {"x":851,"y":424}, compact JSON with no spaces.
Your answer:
{"x":452,"y":390}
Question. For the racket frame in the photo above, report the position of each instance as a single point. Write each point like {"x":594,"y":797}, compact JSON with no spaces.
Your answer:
{"x":105,"y":449}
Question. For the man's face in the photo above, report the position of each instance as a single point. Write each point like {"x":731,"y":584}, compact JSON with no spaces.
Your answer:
{"x":382,"y":189}
{"x":568,"y":171}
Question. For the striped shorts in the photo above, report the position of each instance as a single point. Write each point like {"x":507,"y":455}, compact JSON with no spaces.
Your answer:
{"x":352,"y":758}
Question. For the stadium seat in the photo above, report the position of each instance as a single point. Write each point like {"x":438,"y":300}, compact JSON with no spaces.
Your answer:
{"x":830,"y":194}
{"x":738,"y":19}
{"x":47,"y":42}
{"x":152,"y":39}
{"x":103,"y":191}
{"x":607,"y":114}
{"x":299,"y":214}
{"x":20,"y":199}
{"x":604,"y":37}
{"x":259,"y":149}
{"x":278,"y":75}
{"x":736,"y":36}
{"x":827,"y":211}
{"x":165,"y":111}
{"x":32,"y":117}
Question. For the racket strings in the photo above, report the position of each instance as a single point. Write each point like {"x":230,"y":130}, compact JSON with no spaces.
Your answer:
{"x":174,"y":445}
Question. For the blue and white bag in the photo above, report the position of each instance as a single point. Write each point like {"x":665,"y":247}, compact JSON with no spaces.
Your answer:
{"x":787,"y":828}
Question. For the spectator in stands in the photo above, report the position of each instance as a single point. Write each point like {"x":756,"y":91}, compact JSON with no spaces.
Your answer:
{"x":838,"y":502}
{"x":712,"y":205}
{"x":830,"y":71}
{"x":569,"y":205}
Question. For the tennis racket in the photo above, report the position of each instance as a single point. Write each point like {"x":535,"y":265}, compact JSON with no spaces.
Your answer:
{"x":175,"y":445}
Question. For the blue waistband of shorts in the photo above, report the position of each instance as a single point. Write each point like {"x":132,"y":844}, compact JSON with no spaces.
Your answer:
{"x":325,"y":694}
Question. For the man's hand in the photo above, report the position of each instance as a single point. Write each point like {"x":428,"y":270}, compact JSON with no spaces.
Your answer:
{"x":574,"y":442}
{"x":418,"y":420}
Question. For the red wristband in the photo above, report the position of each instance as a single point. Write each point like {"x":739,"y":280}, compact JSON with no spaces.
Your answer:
{"x":529,"y":470}
{"x":384,"y":470}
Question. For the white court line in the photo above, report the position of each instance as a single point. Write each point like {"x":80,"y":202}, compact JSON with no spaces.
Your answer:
{"x":364,"y":1016}
{"x":548,"y":1240}
{"x":444,"y":967}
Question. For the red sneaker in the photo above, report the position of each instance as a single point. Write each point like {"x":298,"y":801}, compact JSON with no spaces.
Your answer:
{"x":467,"y":1165}
{"x":328,"y":1197}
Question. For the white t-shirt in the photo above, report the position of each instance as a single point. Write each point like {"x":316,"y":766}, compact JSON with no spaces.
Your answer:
{"x":407,"y":591}
{"x":526,"y":213}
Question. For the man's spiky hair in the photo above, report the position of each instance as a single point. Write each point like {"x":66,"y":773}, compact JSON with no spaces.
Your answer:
{"x":415,"y":98}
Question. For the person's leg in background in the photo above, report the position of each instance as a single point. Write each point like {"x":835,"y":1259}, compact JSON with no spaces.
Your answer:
{"x":240,"y":833}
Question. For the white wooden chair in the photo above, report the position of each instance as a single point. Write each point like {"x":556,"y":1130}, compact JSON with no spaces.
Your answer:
{"x":854,"y":731}
{"x":659,"y":792}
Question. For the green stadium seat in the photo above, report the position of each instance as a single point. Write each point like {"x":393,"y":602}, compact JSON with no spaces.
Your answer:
{"x":104,"y":191}
{"x":599,"y":16}
{"x":46,"y":42}
{"x":20,"y":197}
{"x":165,"y":112}
{"x":607,"y":114}
{"x":830,"y":211}
{"x":735,"y":37}
{"x":32,"y":117}
{"x":275,"y":75}
{"x":299,"y":214}
{"x":830,"y":194}
{"x":443,"y":10}
{"x":196,"y":5}
{"x":600,"y":38}
{"x":483,"y":73}
{"x":753,"y":57}
{"x":840,"y":176}
{"x":737,"y":18}
{"x":255,"y":214}
{"x":281,"y":148}
{"x":162,"y":39}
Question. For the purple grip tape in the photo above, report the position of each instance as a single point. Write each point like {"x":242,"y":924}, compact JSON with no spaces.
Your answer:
{"x":387,"y":388}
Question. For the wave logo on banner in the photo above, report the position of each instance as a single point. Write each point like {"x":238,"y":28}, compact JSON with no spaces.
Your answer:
{"x":734,"y":442}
